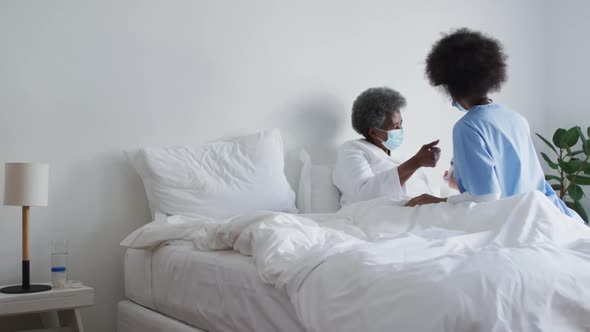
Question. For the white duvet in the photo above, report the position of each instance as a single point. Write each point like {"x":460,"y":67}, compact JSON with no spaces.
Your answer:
{"x":516,"y":264}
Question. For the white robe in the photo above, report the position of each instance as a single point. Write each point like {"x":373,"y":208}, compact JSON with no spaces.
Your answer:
{"x":363,"y":172}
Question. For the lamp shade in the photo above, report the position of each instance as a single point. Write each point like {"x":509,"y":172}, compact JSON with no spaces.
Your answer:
{"x":26,"y":184}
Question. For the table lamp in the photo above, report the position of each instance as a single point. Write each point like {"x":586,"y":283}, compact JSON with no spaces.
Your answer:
{"x":26,"y":185}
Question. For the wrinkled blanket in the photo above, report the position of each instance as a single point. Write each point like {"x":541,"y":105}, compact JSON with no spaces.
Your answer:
{"x":515,"y":264}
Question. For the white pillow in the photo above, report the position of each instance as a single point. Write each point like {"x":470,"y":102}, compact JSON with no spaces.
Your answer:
{"x":219,"y":179}
{"x":317,"y":193}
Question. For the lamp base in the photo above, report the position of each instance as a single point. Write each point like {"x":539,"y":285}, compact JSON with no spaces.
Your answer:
{"x":20,"y":290}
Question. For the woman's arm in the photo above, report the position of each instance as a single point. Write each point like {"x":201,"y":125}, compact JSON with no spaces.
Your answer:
{"x":426,"y":157}
{"x":407,"y":169}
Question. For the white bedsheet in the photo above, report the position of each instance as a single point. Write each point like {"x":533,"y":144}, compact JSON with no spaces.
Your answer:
{"x":516,"y":264}
{"x":215,"y":290}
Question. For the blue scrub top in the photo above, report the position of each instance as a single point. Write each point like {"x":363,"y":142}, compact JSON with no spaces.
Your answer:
{"x":494,"y":154}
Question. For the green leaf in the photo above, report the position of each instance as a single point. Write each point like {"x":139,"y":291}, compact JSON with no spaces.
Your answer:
{"x":570,"y":138}
{"x":588,"y":131}
{"x":575,"y":165}
{"x":558,"y":136}
{"x":566,"y":167}
{"x":577,"y":206}
{"x":565,"y":139}
{"x":547,"y":142}
{"x":586,"y":147}
{"x":580,"y":179}
{"x":549,"y":161}
{"x":556,"y":187}
{"x":576,"y":192}
{"x":552,"y":177}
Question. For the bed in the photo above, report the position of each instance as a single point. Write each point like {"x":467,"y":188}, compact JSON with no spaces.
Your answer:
{"x":516,"y":264}
{"x":179,"y":288}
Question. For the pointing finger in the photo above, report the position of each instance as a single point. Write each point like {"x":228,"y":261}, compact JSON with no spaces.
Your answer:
{"x":431,"y":144}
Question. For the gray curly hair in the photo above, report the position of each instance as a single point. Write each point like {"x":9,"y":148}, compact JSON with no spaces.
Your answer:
{"x":370,"y":108}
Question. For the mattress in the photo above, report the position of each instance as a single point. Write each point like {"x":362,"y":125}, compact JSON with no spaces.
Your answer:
{"x":211,"y":290}
{"x":132,"y":317}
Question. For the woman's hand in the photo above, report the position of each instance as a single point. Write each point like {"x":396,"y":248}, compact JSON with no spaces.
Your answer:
{"x":428,"y":155}
{"x":425,"y":199}
{"x":449,"y":177}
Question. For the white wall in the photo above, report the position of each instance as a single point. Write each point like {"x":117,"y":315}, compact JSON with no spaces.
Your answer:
{"x":568,"y":68}
{"x":82,"y":80}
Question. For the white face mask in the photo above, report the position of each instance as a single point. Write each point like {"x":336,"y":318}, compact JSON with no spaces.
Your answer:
{"x":458,"y":106}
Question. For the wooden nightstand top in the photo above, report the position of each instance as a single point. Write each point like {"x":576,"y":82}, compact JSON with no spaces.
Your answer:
{"x":54,"y":299}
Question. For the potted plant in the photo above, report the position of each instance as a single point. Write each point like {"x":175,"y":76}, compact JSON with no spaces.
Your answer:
{"x":571,"y":165}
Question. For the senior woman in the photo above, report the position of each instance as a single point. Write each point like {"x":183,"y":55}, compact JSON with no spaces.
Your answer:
{"x":494,"y":156}
{"x":368,"y":168}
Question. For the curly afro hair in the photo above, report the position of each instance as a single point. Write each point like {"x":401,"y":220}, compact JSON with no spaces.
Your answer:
{"x":466,"y":64}
{"x":370,"y":108}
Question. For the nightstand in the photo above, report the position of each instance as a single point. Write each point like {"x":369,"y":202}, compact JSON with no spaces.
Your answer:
{"x":59,"y":308}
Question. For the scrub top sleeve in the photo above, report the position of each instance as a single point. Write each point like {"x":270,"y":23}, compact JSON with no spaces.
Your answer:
{"x":474,"y":166}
